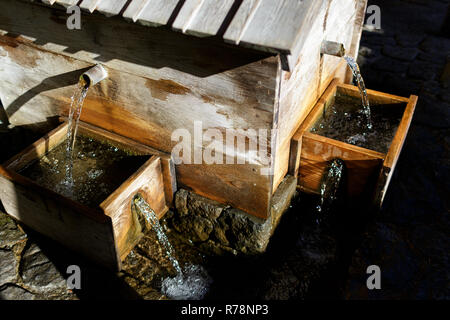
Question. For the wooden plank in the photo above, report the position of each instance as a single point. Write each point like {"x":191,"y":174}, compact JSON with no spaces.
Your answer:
{"x":241,"y":20}
{"x":89,"y":5}
{"x":111,"y":8}
{"x":67,"y":3}
{"x":37,"y":149}
{"x":187,"y":14}
{"x":148,"y":181}
{"x":277,"y":24}
{"x":134,"y":9}
{"x":393,"y":154}
{"x":209,"y":17}
{"x":157,"y":12}
{"x":296,"y":141}
{"x":317,"y":151}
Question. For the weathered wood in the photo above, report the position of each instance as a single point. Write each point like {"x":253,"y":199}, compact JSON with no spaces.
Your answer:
{"x":160,"y":81}
{"x":105,"y":234}
{"x":273,"y":26}
{"x":134,"y":9}
{"x":157,"y":91}
{"x":394,"y":153}
{"x":111,"y":8}
{"x":187,"y":14}
{"x":277,"y":24}
{"x":241,"y":21}
{"x":157,"y":12}
{"x":312,"y":73}
{"x":316,"y":153}
{"x":209,"y":18}
{"x":296,"y":142}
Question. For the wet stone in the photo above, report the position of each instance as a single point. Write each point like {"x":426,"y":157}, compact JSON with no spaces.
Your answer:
{"x":13,"y":292}
{"x":10,"y":234}
{"x":404,"y":54}
{"x":7,"y":267}
{"x":390,"y":65}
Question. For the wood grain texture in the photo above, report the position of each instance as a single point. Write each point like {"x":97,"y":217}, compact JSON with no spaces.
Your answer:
{"x":157,"y":12}
{"x":277,"y":24}
{"x":316,"y":153}
{"x":148,"y":181}
{"x":296,"y":141}
{"x":111,"y":8}
{"x":134,"y":9}
{"x":209,"y":18}
{"x":393,"y":154}
{"x":273,"y":26}
{"x":241,"y":21}
{"x":187,"y":14}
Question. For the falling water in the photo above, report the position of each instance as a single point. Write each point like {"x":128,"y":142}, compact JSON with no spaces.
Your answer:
{"x":151,"y":217}
{"x":362,"y":89}
{"x":74,"y":118}
{"x":190,"y":284}
{"x":330,"y":185}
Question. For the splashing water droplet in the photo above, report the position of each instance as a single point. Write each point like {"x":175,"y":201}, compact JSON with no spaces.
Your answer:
{"x":193,"y":284}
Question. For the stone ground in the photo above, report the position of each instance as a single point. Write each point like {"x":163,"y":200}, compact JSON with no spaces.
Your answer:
{"x":408,"y":239}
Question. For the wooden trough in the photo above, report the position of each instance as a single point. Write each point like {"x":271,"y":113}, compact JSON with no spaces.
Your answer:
{"x":231,"y":65}
{"x":369,"y":171}
{"x":105,"y":234}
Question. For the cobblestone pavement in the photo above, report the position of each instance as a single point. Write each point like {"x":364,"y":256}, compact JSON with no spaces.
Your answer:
{"x":408,"y":239}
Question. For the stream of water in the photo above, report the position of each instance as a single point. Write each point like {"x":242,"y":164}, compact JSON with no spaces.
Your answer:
{"x":362,"y":89}
{"x":193,"y":282}
{"x":74,"y":118}
{"x":330,"y":184}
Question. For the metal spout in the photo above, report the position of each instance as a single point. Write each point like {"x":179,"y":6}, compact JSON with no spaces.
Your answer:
{"x":332,"y":48}
{"x":94,"y":75}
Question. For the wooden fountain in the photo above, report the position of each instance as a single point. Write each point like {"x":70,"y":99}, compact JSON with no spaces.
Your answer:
{"x":231,"y":64}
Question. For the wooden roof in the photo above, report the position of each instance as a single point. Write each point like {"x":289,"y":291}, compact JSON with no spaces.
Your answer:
{"x":267,"y":25}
